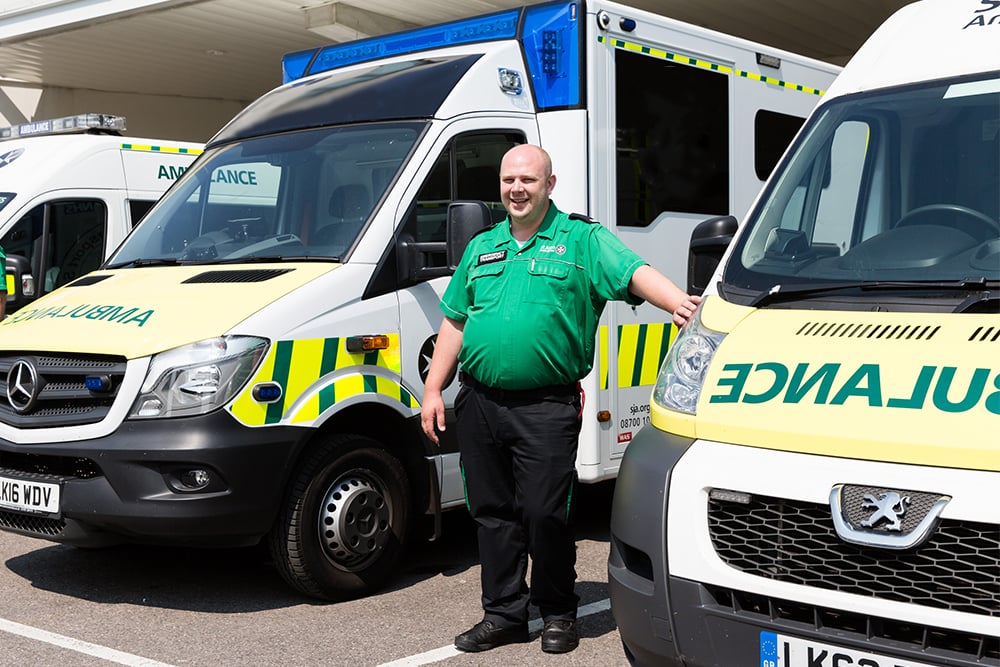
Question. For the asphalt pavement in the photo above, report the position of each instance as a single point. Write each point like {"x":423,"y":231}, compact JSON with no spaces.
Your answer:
{"x":151,"y":606}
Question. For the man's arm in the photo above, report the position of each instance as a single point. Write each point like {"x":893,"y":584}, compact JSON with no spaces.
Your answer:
{"x":649,"y":284}
{"x":443,"y":364}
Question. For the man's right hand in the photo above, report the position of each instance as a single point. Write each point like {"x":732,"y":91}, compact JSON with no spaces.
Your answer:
{"x":432,"y":415}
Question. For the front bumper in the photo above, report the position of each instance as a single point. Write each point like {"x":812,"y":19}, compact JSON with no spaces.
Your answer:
{"x":665,"y":619}
{"x":125,"y":487}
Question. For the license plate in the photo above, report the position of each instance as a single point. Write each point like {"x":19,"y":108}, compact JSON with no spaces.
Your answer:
{"x":784,"y":651}
{"x":24,"y":495}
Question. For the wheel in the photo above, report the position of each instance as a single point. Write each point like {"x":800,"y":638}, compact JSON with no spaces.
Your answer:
{"x":344,"y":521}
{"x":975,"y":223}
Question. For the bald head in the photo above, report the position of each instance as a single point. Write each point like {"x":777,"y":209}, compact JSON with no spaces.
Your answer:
{"x":529,"y":153}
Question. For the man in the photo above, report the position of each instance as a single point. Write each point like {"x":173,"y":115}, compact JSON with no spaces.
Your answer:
{"x":521,"y":314}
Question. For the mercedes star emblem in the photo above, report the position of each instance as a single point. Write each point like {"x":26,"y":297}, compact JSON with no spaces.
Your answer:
{"x":22,"y":386}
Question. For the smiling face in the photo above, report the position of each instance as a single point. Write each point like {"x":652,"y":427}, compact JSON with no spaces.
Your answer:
{"x":526,"y":181}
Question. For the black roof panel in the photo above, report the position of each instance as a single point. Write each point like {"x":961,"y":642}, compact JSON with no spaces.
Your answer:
{"x":393,"y":91}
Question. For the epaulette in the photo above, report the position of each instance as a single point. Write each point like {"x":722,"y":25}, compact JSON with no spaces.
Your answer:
{"x":581,"y":216}
{"x":484,"y":230}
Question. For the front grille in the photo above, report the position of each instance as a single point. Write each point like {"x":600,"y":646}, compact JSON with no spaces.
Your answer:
{"x":42,"y":464}
{"x":957,"y":568}
{"x":29,"y":523}
{"x":879,"y":633}
{"x":62,"y":398}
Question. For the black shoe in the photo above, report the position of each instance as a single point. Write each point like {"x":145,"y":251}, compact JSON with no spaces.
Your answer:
{"x":485,"y":635}
{"x":560,"y":637}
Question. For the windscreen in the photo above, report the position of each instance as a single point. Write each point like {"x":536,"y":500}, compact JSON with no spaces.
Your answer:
{"x":305,"y":194}
{"x":899,"y":185}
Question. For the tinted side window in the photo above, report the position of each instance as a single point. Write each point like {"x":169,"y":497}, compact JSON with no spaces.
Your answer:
{"x":138,"y":208}
{"x":672,"y":139}
{"x":772,"y":132}
{"x":61,"y":240}
{"x":469,"y":168}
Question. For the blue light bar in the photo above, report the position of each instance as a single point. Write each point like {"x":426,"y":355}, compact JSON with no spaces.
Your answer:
{"x":501,"y":25}
{"x":551,"y":39}
{"x":550,"y":36}
{"x":293,"y":65}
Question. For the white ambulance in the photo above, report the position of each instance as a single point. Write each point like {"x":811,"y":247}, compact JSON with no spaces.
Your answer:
{"x":819,"y":485}
{"x":70,"y":190}
{"x":249,"y":364}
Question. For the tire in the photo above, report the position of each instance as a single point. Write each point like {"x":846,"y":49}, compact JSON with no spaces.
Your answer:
{"x":344,"y":520}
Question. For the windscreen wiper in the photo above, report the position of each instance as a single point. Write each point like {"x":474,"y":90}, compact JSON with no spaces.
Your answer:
{"x":154,"y":261}
{"x":257,"y":259}
{"x":783,"y":293}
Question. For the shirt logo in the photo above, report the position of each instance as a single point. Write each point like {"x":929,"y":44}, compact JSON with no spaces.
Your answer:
{"x":491,"y":257}
{"x":557,"y":249}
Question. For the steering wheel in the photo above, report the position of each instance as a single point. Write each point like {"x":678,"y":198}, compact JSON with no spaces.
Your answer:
{"x":974,"y":223}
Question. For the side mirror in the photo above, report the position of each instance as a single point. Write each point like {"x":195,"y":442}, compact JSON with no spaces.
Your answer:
{"x":465,"y":220}
{"x":422,"y":260}
{"x":709,"y":241}
{"x":20,"y":283}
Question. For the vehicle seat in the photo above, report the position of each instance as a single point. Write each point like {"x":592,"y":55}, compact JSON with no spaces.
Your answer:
{"x":348,"y":209}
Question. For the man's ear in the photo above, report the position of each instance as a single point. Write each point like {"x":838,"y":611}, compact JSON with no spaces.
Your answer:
{"x":550,"y":185}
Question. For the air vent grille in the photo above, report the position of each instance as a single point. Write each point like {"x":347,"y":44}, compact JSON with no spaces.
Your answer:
{"x":247,"y":276}
{"x":88,"y":280}
{"x":985,"y":335}
{"x":868,"y":331}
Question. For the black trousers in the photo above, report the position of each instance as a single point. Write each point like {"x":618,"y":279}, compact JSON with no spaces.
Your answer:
{"x":518,"y":457}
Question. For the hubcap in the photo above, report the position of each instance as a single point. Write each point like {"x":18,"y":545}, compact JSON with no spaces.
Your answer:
{"x":354,"y":520}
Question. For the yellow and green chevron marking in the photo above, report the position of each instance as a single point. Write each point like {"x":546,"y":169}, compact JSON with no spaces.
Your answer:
{"x":641,"y":350}
{"x":180,"y":150}
{"x":705,"y":64}
{"x":298,"y":367}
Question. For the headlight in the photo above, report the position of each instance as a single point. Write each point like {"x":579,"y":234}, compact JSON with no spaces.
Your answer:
{"x":682,"y":375}
{"x":197,"y":378}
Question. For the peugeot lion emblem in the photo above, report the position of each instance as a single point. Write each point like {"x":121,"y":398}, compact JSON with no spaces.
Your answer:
{"x":883,"y":517}
{"x":22,"y":386}
{"x":889,"y":506}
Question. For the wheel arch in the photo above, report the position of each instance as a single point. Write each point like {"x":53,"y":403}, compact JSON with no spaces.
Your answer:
{"x":399,"y":434}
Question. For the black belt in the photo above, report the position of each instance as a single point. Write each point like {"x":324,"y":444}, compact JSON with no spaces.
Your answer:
{"x":555,"y":391}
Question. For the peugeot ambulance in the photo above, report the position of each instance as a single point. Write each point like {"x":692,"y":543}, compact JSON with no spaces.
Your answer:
{"x":249,"y":364}
{"x":819,"y":483}
{"x":70,"y":190}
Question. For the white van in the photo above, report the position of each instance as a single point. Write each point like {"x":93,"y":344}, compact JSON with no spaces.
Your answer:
{"x":249,"y":364}
{"x":70,"y":190}
{"x":819,"y":484}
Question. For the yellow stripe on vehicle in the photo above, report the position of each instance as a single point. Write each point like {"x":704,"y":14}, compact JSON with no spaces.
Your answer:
{"x":180,"y":150}
{"x":315,"y":374}
{"x":641,"y":350}
{"x":602,"y":350}
{"x":705,"y":64}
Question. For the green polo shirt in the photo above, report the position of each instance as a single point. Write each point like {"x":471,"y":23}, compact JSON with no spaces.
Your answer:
{"x":531,"y":313}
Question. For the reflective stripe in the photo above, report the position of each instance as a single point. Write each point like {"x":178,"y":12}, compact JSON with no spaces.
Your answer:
{"x":705,"y":64}
{"x":317,"y":373}
{"x":162,"y":149}
{"x":641,"y":350}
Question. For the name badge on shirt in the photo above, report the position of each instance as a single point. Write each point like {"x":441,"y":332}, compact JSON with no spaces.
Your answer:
{"x":491,"y":257}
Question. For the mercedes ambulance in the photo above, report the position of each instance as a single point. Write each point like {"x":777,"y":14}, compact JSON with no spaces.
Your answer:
{"x":819,"y":483}
{"x":70,"y":190}
{"x":249,"y":364}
